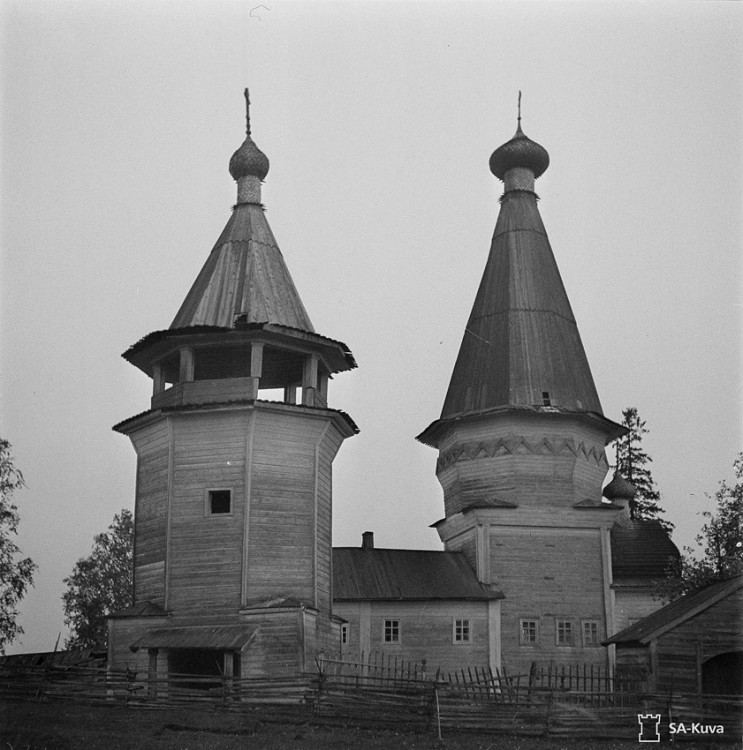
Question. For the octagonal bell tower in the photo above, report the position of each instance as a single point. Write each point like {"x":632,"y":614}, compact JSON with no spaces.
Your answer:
{"x":234,"y":465}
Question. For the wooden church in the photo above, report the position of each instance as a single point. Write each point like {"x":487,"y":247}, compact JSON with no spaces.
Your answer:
{"x":233,"y":550}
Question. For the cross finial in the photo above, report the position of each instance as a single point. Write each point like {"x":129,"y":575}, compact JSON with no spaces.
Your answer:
{"x":247,"y":112}
{"x":519,"y":117}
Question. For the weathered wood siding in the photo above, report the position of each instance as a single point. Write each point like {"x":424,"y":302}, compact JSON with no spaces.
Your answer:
{"x":278,"y":646}
{"x":425,"y":629}
{"x":716,"y":630}
{"x":122,"y":632}
{"x":206,"y":550}
{"x":539,"y":462}
{"x":633,"y":602}
{"x":290,"y":508}
{"x":152,"y":444}
{"x":548,"y":574}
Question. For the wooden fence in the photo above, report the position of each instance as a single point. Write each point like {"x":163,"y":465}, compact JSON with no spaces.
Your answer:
{"x":474,"y":699}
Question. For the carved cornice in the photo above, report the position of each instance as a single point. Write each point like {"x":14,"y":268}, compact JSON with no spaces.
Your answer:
{"x":519,"y":444}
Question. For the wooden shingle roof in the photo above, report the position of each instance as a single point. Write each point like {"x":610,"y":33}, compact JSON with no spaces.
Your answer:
{"x":395,"y":574}
{"x":245,"y":275}
{"x":521,"y":341}
{"x":641,"y":549}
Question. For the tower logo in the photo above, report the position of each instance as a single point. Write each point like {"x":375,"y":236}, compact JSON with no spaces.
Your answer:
{"x":649,"y":727}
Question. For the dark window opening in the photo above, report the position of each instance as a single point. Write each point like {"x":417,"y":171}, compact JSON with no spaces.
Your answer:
{"x":392,"y":631}
{"x":220,"y":501}
{"x":546,"y":401}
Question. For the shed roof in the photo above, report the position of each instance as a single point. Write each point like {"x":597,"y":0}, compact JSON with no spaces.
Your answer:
{"x":227,"y":637}
{"x":394,"y":574}
{"x":676,"y":612}
{"x":641,"y":549}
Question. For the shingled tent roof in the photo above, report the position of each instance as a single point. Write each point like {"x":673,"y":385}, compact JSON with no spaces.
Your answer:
{"x":676,"y":612}
{"x":641,"y":549}
{"x":396,"y":574}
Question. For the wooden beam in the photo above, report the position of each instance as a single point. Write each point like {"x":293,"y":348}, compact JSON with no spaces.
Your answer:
{"x":309,"y":380}
{"x":186,"y":372}
{"x":152,"y":673}
{"x":158,"y":379}
{"x":256,"y":366}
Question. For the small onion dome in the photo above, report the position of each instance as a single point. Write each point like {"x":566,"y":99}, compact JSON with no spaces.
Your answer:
{"x":619,"y":489}
{"x":520,"y":151}
{"x":248,"y":160}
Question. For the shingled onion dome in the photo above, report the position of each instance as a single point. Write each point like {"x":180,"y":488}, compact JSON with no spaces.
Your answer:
{"x":519,"y":161}
{"x":248,"y":165}
{"x":619,"y":489}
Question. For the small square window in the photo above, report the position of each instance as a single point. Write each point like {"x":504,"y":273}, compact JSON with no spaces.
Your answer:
{"x":219,"y":502}
{"x":546,"y":401}
{"x":564,"y":633}
{"x":462,"y":631}
{"x":529,"y":632}
{"x":344,"y":633}
{"x":392,"y":631}
{"x":590,"y":633}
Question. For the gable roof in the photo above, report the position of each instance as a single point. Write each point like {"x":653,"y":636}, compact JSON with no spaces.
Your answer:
{"x":641,"y":549}
{"x":675,"y":613}
{"x":397,"y":574}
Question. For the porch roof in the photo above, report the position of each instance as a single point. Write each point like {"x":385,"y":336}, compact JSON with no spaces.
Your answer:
{"x":218,"y":637}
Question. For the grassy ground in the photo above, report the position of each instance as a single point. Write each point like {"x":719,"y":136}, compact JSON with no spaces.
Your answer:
{"x":66,"y":726}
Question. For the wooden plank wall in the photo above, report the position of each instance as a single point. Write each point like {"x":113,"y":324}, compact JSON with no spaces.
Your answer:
{"x":281,"y":548}
{"x":206,"y":550}
{"x":716,"y":630}
{"x":152,"y":444}
{"x":426,"y":631}
{"x":548,"y":574}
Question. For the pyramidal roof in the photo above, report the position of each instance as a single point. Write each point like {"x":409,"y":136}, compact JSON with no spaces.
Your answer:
{"x":521,"y":346}
{"x":245,"y":274}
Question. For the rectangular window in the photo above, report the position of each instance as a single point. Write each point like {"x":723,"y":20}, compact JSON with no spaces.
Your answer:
{"x":344,"y":633}
{"x":218,"y":502}
{"x":564,"y":633}
{"x":529,"y":632}
{"x":462,"y":631}
{"x":392,"y":631}
{"x":590,"y":633}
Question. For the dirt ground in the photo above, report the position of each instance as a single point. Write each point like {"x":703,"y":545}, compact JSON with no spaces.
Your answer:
{"x":66,"y":726}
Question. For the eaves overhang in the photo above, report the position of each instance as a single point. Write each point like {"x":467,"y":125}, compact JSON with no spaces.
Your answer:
{"x":344,"y":422}
{"x":433,"y":434}
{"x":157,"y":345}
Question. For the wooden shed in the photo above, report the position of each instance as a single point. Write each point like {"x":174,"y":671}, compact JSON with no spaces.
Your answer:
{"x":693,"y":645}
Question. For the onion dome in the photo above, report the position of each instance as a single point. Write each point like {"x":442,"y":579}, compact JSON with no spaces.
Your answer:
{"x":520,"y":151}
{"x":619,"y":489}
{"x":248,"y":160}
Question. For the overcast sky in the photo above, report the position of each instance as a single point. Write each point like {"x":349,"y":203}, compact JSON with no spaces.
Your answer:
{"x":118,"y":122}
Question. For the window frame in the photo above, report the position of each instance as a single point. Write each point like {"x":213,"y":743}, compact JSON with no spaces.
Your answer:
{"x":584,"y":640}
{"x":564,"y":625}
{"x":208,"y":497}
{"x":462,"y":627}
{"x":523,"y":641}
{"x":345,"y":633}
{"x":391,"y":626}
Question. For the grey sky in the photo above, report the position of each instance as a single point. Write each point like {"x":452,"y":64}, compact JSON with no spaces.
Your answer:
{"x":118,"y":121}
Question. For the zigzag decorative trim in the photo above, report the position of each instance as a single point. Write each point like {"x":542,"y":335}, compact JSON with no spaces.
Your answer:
{"x":518,"y":444}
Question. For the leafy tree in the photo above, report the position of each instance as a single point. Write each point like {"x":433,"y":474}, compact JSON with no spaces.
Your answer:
{"x":100,"y":584}
{"x":633,"y":463}
{"x":719,"y":551}
{"x":15,"y":575}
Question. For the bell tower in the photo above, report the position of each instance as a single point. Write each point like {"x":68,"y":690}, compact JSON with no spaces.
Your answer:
{"x":521,"y":440}
{"x":234,"y":465}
